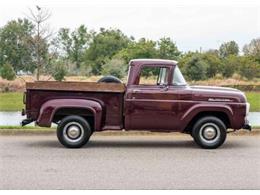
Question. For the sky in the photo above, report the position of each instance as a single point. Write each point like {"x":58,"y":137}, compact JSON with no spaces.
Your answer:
{"x":191,"y":26}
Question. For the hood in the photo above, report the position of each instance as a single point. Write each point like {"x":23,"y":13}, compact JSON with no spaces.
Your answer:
{"x":217,"y":94}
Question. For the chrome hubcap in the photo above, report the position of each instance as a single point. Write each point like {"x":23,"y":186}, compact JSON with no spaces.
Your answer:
{"x":73,"y":132}
{"x":209,"y":133}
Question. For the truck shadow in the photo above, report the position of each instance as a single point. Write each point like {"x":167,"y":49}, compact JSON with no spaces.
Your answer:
{"x":174,"y":144}
{"x":100,"y":144}
{"x":120,"y":144}
{"x":141,"y":144}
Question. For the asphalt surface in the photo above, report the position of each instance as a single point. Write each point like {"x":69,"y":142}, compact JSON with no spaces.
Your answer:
{"x":128,"y":162}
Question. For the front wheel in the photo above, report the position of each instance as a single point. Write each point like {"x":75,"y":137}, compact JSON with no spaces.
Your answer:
{"x":73,"y":131}
{"x":209,"y":132}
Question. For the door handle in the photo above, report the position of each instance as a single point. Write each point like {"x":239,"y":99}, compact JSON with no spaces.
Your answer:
{"x":166,"y":88}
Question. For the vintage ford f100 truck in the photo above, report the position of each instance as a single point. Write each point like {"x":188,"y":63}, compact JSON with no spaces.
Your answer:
{"x":166,"y":103}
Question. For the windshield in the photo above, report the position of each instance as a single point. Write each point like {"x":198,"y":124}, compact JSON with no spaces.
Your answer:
{"x":178,"y":79}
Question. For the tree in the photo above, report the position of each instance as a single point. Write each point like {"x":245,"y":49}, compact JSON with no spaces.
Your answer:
{"x":104,"y":46}
{"x":249,"y":68}
{"x":63,"y":42}
{"x":213,"y":51}
{"x":228,"y":48}
{"x":168,"y":49}
{"x":195,"y":69}
{"x":141,"y":49}
{"x":115,"y":67}
{"x":186,"y":57}
{"x":73,"y":44}
{"x":80,"y":37}
{"x":253,"y":49}
{"x":7,"y":72}
{"x":230,"y":65}
{"x":208,"y":62}
{"x":41,"y":37}
{"x":213,"y":64}
{"x":15,"y":45}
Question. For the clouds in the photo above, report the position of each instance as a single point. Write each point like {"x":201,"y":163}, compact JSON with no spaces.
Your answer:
{"x":191,"y":27}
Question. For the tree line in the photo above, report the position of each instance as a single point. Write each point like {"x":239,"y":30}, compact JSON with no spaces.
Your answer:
{"x":27,"y":46}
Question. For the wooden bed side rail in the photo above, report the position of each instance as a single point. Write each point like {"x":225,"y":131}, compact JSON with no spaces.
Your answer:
{"x":76,"y":86}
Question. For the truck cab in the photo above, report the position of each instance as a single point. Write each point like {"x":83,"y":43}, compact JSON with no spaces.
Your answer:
{"x":156,"y":97}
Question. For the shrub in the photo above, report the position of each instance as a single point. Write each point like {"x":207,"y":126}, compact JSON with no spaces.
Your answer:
{"x":59,"y":72}
{"x":230,"y":65}
{"x":249,"y":68}
{"x":195,"y":69}
{"x":236,"y":76}
{"x":213,"y":64}
{"x":7,"y":72}
{"x":115,"y":67}
{"x":218,"y":76}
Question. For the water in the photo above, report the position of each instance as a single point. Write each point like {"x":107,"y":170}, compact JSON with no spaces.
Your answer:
{"x":14,"y":118}
{"x":254,"y":118}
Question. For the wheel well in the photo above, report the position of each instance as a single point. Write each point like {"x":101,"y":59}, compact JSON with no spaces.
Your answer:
{"x":221,"y":115}
{"x":85,"y":113}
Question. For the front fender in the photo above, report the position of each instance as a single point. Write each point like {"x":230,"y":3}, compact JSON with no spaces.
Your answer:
{"x":198,"y":108}
{"x":49,"y":108}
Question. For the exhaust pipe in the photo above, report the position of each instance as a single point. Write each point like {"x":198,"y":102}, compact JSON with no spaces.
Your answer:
{"x":26,"y":122}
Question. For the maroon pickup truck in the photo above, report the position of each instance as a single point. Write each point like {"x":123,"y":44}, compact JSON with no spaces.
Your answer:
{"x":163,"y":103}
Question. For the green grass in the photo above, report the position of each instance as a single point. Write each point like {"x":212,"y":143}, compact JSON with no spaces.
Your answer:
{"x":16,"y":130}
{"x":13,"y":101}
{"x":254,"y":99}
{"x":24,"y":127}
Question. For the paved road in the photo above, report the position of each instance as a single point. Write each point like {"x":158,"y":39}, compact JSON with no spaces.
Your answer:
{"x":129,"y":162}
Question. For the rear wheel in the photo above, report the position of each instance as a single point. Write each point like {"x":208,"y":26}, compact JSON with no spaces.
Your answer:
{"x":209,"y":132}
{"x":73,"y":131}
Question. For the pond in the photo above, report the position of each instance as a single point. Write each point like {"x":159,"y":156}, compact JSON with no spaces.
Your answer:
{"x":14,"y":118}
{"x":11,"y":119}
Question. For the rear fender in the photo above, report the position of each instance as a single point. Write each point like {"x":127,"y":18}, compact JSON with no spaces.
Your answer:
{"x":49,"y":108}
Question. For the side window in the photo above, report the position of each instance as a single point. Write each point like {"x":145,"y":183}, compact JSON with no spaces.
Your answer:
{"x":162,"y":78}
{"x":153,"y":75}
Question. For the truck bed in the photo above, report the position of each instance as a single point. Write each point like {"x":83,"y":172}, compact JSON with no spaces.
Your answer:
{"x":110,"y":95}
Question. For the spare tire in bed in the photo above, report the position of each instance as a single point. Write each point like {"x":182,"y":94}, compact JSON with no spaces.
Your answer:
{"x":109,"y":79}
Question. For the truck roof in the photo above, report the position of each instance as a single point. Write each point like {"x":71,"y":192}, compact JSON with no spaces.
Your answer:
{"x":152,"y":61}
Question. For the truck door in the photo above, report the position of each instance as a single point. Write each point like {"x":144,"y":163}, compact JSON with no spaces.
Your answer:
{"x":148,"y":104}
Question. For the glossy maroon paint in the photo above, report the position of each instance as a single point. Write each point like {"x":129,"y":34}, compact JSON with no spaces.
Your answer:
{"x":146,"y":107}
{"x":49,"y":108}
{"x":173,"y":107}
